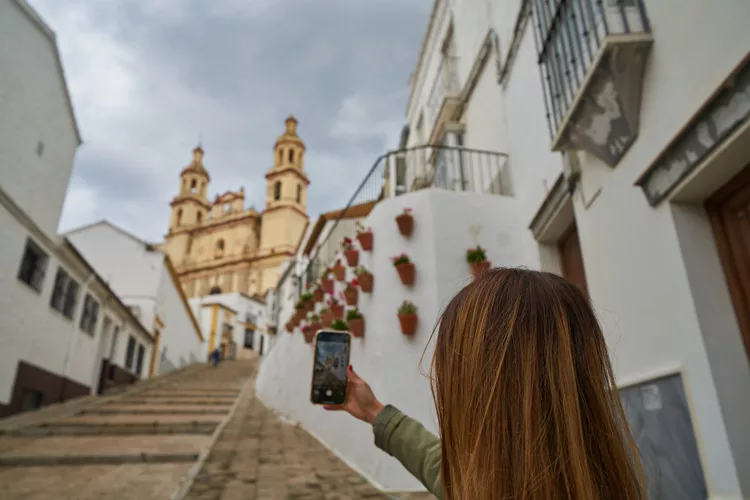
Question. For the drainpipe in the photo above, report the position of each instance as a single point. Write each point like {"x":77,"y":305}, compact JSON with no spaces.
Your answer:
{"x":73,"y":338}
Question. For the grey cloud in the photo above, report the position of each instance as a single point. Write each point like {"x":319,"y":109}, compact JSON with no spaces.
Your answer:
{"x":230,"y":75}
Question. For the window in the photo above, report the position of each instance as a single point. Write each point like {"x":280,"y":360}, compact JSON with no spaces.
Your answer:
{"x":281,"y":156}
{"x":130,"y":353}
{"x":215,"y":291}
{"x":220,"y":245}
{"x":277,"y":190}
{"x":249,"y":334}
{"x":227,"y":207}
{"x":199,"y":217}
{"x":90,"y":314}
{"x":193,"y":185}
{"x":139,"y":363}
{"x":31,"y":400}
{"x":64,"y":294}
{"x":179,"y":216}
{"x":299,"y":193}
{"x":291,"y":156}
{"x":33,"y":266}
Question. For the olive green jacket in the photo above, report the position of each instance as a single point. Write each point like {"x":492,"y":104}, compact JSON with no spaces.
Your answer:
{"x":411,"y":444}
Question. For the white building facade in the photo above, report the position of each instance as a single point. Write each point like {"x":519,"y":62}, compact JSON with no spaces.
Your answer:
{"x":145,"y":280}
{"x":620,"y":166}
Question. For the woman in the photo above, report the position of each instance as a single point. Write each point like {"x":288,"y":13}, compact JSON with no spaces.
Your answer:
{"x":526,"y":401}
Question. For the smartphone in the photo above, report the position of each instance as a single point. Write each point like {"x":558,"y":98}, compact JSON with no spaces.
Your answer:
{"x":329,"y":367}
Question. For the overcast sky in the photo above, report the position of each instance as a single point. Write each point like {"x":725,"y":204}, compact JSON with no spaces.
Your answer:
{"x":150,"y":78}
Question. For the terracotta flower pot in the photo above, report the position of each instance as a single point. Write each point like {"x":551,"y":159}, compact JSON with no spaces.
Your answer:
{"x":339,"y":273}
{"x":338,"y":311}
{"x":309,"y":335}
{"x":365,"y":282}
{"x":357,"y":327}
{"x":365,"y":240}
{"x":314,"y":327}
{"x":327,"y":285}
{"x":351,"y":294}
{"x":309,"y":306}
{"x":408,"y":323}
{"x":406,"y":272}
{"x":318,"y":295}
{"x":289,"y":326}
{"x":479,"y":268}
{"x":326,"y":319}
{"x":352,"y":257}
{"x":405,"y":224}
{"x":298,"y":315}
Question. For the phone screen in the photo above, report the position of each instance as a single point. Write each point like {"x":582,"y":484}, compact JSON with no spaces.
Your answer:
{"x":329,"y":370}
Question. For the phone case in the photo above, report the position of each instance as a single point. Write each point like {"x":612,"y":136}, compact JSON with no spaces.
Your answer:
{"x":315,"y":353}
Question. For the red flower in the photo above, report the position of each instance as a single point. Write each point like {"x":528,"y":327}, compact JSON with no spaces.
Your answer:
{"x":354,"y":283}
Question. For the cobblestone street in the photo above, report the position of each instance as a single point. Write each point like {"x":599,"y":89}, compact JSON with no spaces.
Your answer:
{"x":197,"y":434}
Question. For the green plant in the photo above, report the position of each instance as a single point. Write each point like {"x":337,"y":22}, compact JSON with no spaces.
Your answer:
{"x":347,"y":244}
{"x":306,"y":297}
{"x":362,"y":229}
{"x":339,"y":324}
{"x":400,"y":259}
{"x":313,"y":318}
{"x":353,"y":314}
{"x":360,"y":271}
{"x":299,"y":305}
{"x":325,"y":310}
{"x":407,"y":308}
{"x":476,"y":255}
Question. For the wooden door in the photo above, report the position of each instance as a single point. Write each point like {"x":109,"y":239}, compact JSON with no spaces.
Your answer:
{"x":572,"y":260}
{"x":729,"y":210}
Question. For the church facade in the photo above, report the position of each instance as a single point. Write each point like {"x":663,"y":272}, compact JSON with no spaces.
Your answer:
{"x":221,"y":246}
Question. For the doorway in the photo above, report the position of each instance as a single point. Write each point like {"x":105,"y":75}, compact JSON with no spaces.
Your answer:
{"x":729,"y":211}
{"x":571,"y":260}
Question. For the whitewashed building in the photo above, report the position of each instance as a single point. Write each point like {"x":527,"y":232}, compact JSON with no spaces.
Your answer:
{"x":604,"y":141}
{"x":235,"y":322}
{"x":65,"y":333}
{"x":143,"y":277}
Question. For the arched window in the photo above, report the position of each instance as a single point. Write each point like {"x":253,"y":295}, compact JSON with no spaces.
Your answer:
{"x":179,"y":216}
{"x":281,"y":155}
{"x":291,"y":155}
{"x":299,"y":193}
{"x":277,"y":190}
{"x":215,"y":291}
{"x":220,"y":245}
{"x":193,"y":183}
{"x":199,"y":217}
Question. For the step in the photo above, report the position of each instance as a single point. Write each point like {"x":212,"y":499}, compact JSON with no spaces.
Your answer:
{"x":178,"y":402}
{"x":142,"y":419}
{"x":183,"y":395}
{"x":52,"y":460}
{"x":156,"y":410}
{"x":82,"y":429}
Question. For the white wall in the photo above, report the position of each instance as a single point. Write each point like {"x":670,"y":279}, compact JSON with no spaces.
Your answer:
{"x":243,"y":305}
{"x":388,"y":360}
{"x":33,"y":110}
{"x":140,"y":277}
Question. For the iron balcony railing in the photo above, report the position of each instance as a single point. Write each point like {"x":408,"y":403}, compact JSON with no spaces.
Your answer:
{"x":569,"y":35}
{"x":446,"y":85}
{"x":411,"y":169}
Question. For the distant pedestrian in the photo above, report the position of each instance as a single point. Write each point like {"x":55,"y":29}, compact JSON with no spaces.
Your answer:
{"x":216,"y":356}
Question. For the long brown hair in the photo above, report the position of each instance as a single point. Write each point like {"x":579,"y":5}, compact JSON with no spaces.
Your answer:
{"x":525,"y":396}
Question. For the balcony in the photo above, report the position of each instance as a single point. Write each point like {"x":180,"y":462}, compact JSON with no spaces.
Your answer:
{"x":444,"y":96}
{"x":399,"y":172}
{"x":592,"y":57}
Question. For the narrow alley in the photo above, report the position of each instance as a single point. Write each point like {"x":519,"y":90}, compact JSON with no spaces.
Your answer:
{"x":199,"y":433}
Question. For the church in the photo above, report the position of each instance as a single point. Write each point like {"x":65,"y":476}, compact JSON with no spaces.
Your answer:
{"x":221,"y":246}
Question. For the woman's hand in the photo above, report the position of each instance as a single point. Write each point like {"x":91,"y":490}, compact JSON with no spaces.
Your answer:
{"x":360,"y":402}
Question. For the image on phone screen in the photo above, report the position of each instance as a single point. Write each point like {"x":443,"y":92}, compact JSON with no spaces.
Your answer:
{"x":329,"y":370}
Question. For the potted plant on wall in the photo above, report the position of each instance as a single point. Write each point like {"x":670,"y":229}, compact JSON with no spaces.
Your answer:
{"x":350,"y":252}
{"x":351,"y":294}
{"x":318,"y":294}
{"x":364,"y":235}
{"x":308,"y":333}
{"x":364,"y":279}
{"x":405,"y":222}
{"x":299,"y":312}
{"x":407,"y":316}
{"x":339,"y":271}
{"x":336,"y":308}
{"x":339,"y":325}
{"x":326,"y":317}
{"x":356,"y":322}
{"x":289,"y":326}
{"x":314,"y":322}
{"x":405,"y":268}
{"x":307,"y":301}
{"x":326,"y":283}
{"x":477,"y":259}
